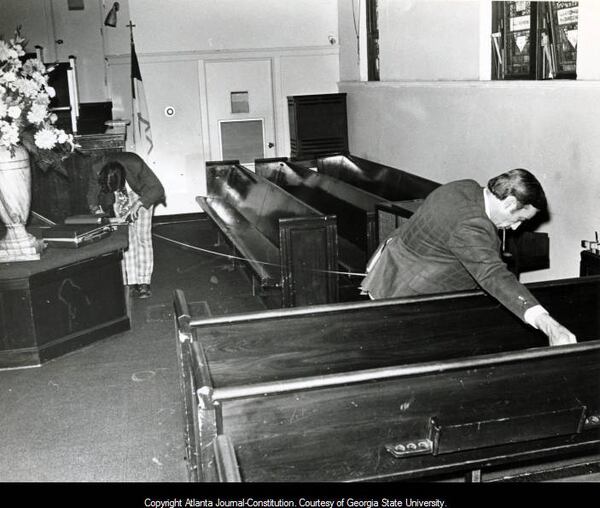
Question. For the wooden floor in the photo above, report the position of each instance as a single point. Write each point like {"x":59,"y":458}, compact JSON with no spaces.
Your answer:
{"x":112,"y":412}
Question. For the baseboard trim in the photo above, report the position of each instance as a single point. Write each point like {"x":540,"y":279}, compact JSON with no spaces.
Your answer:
{"x":183,"y":217}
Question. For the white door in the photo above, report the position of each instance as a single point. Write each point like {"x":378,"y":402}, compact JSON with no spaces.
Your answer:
{"x":240,"y":110}
{"x":79,"y":33}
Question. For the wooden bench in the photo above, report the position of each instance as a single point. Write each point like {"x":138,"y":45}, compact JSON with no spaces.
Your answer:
{"x":391,"y":183}
{"x":354,"y":208}
{"x":400,"y":389}
{"x":524,"y":250}
{"x":290,"y":248}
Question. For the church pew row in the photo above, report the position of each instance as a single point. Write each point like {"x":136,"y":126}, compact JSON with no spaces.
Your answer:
{"x":524,"y":250}
{"x":289,"y":247}
{"x":399,"y":389}
{"x":385,"y":181}
{"x":354,"y":208}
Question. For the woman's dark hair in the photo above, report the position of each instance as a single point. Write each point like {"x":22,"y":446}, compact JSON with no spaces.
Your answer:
{"x":521,"y":184}
{"x":112,"y":177}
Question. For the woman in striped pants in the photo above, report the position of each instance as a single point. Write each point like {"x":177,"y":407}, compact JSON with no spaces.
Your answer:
{"x":128,"y":189}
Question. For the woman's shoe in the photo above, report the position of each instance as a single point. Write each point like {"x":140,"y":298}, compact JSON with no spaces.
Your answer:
{"x":144,"y":291}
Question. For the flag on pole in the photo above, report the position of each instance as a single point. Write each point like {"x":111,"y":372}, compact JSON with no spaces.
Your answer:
{"x":142,"y":135}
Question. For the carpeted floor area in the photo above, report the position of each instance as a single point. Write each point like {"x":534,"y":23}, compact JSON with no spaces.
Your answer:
{"x":112,"y":411}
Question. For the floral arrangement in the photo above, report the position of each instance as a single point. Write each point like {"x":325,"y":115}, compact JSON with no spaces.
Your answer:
{"x":25,"y":117}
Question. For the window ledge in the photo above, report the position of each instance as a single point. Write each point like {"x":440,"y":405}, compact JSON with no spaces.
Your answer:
{"x":512,"y":84}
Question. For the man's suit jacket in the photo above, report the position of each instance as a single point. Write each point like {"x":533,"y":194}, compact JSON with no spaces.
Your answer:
{"x":449,"y":244}
{"x":139,"y":176}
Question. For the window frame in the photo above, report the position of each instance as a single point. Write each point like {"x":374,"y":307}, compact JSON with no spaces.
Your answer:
{"x":544,"y":60}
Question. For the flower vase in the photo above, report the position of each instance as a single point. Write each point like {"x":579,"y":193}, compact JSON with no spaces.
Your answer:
{"x":15,"y":202}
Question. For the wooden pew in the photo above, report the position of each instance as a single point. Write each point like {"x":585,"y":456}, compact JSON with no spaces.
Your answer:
{"x":398,"y":389}
{"x":354,"y":208}
{"x":289,"y":247}
{"x":404,"y":191}
{"x":524,"y":250}
{"x":391,"y":183}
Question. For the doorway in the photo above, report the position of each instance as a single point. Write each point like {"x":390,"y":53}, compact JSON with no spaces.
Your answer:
{"x":240,"y":110}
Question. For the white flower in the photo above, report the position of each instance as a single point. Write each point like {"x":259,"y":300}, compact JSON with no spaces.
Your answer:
{"x":45,"y":139}
{"x":42,"y":98}
{"x":4,"y":48}
{"x":10,"y":134}
{"x":33,"y":67}
{"x":37,"y":114}
{"x":14,"y":111}
{"x":8,"y":77}
{"x":24,"y":101}
{"x":27,"y":87}
{"x":38,"y":77}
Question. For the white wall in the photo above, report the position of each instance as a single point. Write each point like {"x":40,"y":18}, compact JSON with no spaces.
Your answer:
{"x":438,"y":121}
{"x":350,"y":16}
{"x":444,"y":48}
{"x":176,"y":25}
{"x":174,"y":38}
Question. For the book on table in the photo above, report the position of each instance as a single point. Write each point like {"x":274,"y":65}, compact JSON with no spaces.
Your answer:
{"x":75,"y":235}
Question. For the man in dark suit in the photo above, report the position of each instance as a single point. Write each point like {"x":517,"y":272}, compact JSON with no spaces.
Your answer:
{"x":451,"y":243}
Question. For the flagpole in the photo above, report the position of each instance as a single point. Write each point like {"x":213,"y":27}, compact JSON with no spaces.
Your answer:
{"x":142,"y":135}
{"x":133,"y":124}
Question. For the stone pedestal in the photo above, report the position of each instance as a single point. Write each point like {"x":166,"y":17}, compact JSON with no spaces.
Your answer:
{"x":15,"y":202}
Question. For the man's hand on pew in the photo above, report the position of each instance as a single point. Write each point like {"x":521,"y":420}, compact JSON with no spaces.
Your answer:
{"x":557,"y":334}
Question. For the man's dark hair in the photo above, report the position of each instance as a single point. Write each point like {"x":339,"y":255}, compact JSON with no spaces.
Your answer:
{"x":521,"y":184}
{"x":112,"y":177}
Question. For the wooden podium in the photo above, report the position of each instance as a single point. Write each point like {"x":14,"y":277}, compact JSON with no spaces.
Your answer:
{"x":66,"y":300}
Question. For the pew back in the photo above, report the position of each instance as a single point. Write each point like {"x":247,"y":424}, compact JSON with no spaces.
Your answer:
{"x":385,"y":181}
{"x":403,"y":388}
{"x":258,"y":201}
{"x":354,"y":208}
{"x":527,"y":250}
{"x":289,"y":246}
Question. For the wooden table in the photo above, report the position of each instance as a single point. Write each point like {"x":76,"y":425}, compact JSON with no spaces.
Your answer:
{"x":66,"y":300}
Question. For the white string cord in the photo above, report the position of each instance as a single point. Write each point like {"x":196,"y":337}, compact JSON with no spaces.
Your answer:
{"x":230,"y":256}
